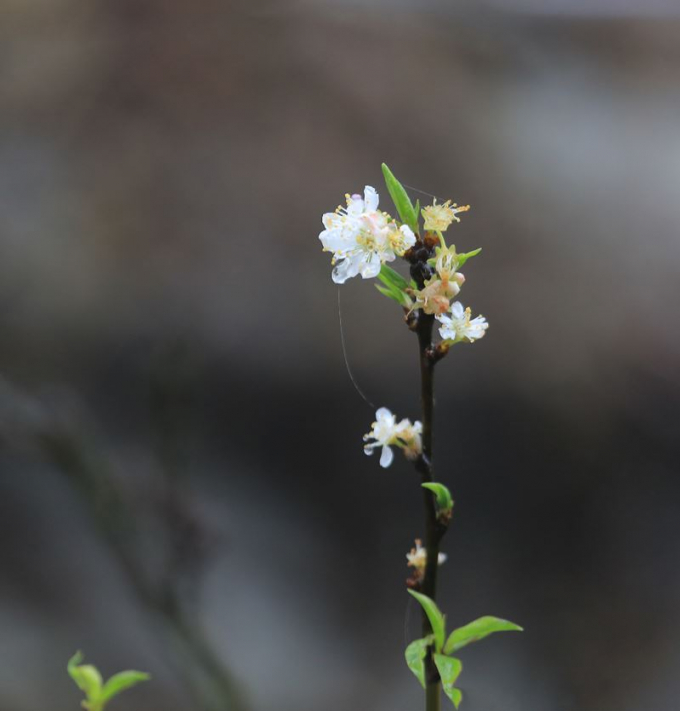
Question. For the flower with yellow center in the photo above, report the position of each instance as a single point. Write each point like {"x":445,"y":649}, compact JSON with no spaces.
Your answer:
{"x":439,"y":217}
{"x":459,"y":327}
{"x":386,"y":433}
{"x":417,"y":559}
{"x":362,"y":238}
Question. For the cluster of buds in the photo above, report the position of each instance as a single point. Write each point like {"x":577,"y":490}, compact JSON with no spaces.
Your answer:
{"x":437,"y":292}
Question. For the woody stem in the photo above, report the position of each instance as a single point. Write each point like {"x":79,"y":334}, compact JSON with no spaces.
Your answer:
{"x":433,"y":530}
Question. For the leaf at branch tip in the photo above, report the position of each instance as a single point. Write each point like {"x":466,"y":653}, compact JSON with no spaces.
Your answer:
{"x":462,"y":258}
{"x":400,"y":198}
{"x":395,"y":296}
{"x":449,"y":670}
{"x":415,"y":657}
{"x":476,"y":630}
{"x":442,"y":494}
{"x":74,"y":661}
{"x":389,"y":277}
{"x":435,"y":617}
{"x":87,"y":678}
{"x":121,"y":681}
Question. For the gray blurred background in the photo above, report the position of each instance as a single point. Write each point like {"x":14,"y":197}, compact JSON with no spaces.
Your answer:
{"x":182,"y":485}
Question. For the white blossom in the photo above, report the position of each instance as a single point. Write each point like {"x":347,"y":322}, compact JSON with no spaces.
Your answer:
{"x":417,"y":558}
{"x":362,"y":238}
{"x":459,"y":327}
{"x":386,"y":432}
{"x":437,"y":218}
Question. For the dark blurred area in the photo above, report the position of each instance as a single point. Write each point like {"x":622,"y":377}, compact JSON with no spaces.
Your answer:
{"x":182,"y":483}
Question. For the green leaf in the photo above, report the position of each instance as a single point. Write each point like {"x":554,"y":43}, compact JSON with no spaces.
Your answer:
{"x":435,"y":617}
{"x":449,"y":670}
{"x":395,"y":296}
{"x":442,"y":494}
{"x":121,"y":681}
{"x":401,"y":200}
{"x":87,"y":677}
{"x":476,"y":630}
{"x":462,"y":258}
{"x":416,"y":209}
{"x":73,"y":663}
{"x":415,"y":657}
{"x":389,"y":277}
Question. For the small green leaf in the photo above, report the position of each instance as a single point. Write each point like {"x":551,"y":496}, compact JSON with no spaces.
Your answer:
{"x":435,"y":617}
{"x":449,"y":670}
{"x":395,"y":296}
{"x":388,"y":276}
{"x":462,"y":258}
{"x":74,"y":661}
{"x":476,"y":630}
{"x":121,"y":681}
{"x":391,"y":287}
{"x":400,"y":198}
{"x":416,"y":209}
{"x":415,"y":657}
{"x":442,"y":494}
{"x":87,"y":677}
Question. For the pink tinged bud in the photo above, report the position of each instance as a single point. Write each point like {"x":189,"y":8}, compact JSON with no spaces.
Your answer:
{"x":439,"y":304}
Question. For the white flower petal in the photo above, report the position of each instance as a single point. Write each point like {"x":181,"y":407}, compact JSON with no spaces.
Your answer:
{"x":383,"y":413}
{"x":335,"y":241}
{"x":386,"y":457}
{"x":330,"y":220}
{"x":447,"y":333}
{"x":370,"y":199}
{"x":409,"y":237}
{"x":343,"y":271}
{"x":355,"y":205}
{"x":370,"y":267}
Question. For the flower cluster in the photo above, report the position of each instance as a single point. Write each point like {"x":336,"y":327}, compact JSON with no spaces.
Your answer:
{"x":444,"y":285}
{"x":386,"y":432}
{"x":362,"y":238}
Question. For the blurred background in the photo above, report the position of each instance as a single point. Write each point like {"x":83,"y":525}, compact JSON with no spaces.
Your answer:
{"x":182,"y":483}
